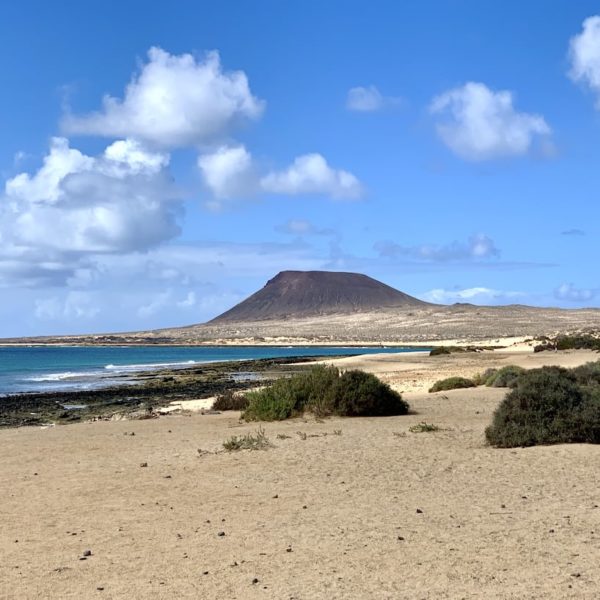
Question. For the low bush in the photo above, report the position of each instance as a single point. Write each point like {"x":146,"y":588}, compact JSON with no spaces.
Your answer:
{"x":256,"y":441}
{"x":570,"y":342}
{"x":451,"y":383}
{"x":441,"y":350}
{"x":577,"y":342}
{"x":505,"y":377}
{"x":360,"y":394}
{"x":548,"y":406}
{"x":483,"y":378}
{"x":229,"y":400}
{"x":324,"y":391}
{"x":588,"y":374}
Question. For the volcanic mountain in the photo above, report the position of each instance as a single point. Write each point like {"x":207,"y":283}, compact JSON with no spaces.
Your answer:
{"x":292,"y":294}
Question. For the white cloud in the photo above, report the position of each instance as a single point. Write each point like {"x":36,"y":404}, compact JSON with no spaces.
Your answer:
{"x":567,"y":291}
{"x":229,"y":172}
{"x":584,"y":54}
{"x":475,"y":295}
{"x":130,"y":157}
{"x":310,"y":174}
{"x":480,"y":124}
{"x":76,"y":207}
{"x":477,"y":247}
{"x":174,"y":101}
{"x":189,"y":301}
{"x":75,"y":305}
{"x":369,"y":99}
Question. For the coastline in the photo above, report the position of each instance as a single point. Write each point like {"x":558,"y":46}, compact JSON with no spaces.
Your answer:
{"x":145,"y":393}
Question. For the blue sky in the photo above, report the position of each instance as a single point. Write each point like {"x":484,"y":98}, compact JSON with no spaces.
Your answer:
{"x":161,"y":162}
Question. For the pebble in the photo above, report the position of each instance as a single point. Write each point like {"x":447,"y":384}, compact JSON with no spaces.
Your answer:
{"x":221,"y":534}
{"x":87,"y":553}
{"x":254,"y":581}
{"x":419,"y":511}
{"x":144,"y":464}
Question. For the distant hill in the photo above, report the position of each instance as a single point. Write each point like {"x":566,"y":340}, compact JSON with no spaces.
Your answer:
{"x":293,"y":294}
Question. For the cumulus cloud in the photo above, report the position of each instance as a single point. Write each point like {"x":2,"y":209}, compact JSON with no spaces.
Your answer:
{"x":174,"y":101}
{"x":584,"y":54}
{"x":474,"y":295}
{"x":477,"y":247}
{"x":77,"y":206}
{"x":311,"y":174}
{"x":477,"y":123}
{"x":567,"y":291}
{"x":369,"y":99}
{"x":229,"y":173}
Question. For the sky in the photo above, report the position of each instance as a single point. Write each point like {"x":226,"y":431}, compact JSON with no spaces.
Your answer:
{"x":162,"y":161}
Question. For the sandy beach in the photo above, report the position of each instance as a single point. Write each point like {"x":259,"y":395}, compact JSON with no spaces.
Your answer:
{"x":344,"y":508}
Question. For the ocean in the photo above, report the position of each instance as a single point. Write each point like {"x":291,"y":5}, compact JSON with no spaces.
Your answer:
{"x":61,"y":368}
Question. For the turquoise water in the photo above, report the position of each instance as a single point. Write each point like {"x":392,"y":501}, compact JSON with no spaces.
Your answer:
{"x":49,"y":368}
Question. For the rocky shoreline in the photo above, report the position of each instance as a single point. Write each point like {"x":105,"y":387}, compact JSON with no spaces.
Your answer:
{"x":149,"y":392}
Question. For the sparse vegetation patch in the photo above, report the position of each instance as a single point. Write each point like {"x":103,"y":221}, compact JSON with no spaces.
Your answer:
{"x":451,"y":383}
{"x":423,"y":427}
{"x":250,"y":441}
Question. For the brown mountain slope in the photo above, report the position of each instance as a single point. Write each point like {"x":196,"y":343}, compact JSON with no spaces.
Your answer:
{"x":296,"y":294}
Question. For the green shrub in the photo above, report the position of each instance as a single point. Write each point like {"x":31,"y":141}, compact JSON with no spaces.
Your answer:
{"x":547,"y":407}
{"x":570,"y":342}
{"x":483,"y":378}
{"x":439,"y":350}
{"x":506,"y":377}
{"x":323,"y":391}
{"x":360,"y":394}
{"x":229,"y":400}
{"x":273,"y":403}
{"x":544,"y":347}
{"x":577,"y":342}
{"x":451,"y":383}
{"x":588,"y":374}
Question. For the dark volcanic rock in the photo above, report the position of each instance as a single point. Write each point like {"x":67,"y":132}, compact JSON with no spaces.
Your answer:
{"x":313,"y":293}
